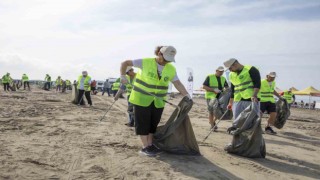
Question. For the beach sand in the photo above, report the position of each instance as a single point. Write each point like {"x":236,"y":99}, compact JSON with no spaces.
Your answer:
{"x":44,"y":136}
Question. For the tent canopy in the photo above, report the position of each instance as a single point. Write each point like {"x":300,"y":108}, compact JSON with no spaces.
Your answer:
{"x":309,"y":91}
{"x":294,"y":89}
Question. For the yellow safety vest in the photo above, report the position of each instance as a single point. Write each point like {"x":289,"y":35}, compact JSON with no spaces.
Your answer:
{"x":213,"y":83}
{"x":266,"y":91}
{"x":147,"y":82}
{"x":25,"y":78}
{"x":5,"y":79}
{"x":115,"y":86}
{"x":288,"y":96}
{"x":129,"y":86}
{"x":86,"y":83}
{"x":59,"y":82}
{"x":243,"y":85}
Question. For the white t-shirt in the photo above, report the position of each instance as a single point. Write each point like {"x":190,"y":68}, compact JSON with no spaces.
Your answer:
{"x":138,"y":64}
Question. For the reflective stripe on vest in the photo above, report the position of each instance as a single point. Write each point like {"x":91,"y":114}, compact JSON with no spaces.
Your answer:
{"x":86,"y":84}
{"x":288,"y":96}
{"x":213,"y":83}
{"x":243,"y":85}
{"x":147,"y":82}
{"x":266,"y":91}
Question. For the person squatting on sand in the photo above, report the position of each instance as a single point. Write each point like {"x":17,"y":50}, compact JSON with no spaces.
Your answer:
{"x":153,"y":78}
{"x":84,"y":87}
{"x":214,"y":85}
{"x":267,"y":101}
{"x":245,"y":85}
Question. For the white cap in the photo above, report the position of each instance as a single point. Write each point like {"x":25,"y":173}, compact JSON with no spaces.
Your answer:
{"x":168,"y":53}
{"x":272,"y":74}
{"x":128,"y":69}
{"x":229,"y":62}
{"x":220,"y":68}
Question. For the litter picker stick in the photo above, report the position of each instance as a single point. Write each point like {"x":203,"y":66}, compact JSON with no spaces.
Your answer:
{"x":215,"y":125}
{"x":107,"y":111}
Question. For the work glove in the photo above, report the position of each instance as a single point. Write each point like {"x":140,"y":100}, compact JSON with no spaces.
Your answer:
{"x":123,"y":79}
{"x":229,"y":106}
{"x":231,"y":129}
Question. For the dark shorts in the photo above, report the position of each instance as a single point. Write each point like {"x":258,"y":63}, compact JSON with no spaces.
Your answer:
{"x":147,"y":119}
{"x":267,"y":106}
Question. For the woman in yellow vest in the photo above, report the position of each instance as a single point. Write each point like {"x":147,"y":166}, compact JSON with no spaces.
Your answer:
{"x":153,"y":77}
{"x":213,"y":85}
{"x":267,"y":101}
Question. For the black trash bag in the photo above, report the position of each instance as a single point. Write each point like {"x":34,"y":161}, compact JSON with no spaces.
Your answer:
{"x":283,"y":113}
{"x":177,"y":135}
{"x":75,"y":94}
{"x":220,"y":105}
{"x":247,"y":138}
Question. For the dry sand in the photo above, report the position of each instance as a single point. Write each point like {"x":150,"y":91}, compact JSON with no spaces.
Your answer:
{"x":44,"y":136}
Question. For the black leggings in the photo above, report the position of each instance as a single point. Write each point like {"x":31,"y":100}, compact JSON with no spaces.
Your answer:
{"x":80,"y":97}
{"x":26,"y":83}
{"x":147,"y":119}
{"x":6,"y":86}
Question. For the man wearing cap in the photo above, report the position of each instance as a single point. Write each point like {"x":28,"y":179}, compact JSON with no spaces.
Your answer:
{"x":245,"y":85}
{"x":84,"y":87}
{"x":267,"y":101}
{"x":213,"y":85}
{"x":149,"y":90}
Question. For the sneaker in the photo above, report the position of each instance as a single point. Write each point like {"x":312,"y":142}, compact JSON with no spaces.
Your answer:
{"x":269,"y":130}
{"x":155,"y":149}
{"x":214,"y":127}
{"x":147,"y":152}
{"x":129,"y":124}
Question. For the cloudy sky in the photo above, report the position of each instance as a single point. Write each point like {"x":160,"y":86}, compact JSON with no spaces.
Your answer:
{"x":64,"y":37}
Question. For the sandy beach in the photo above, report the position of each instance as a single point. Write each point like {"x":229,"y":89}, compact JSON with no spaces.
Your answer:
{"x":44,"y":136}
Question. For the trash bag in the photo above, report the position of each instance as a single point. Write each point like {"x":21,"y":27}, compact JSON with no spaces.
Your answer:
{"x":220,"y":105}
{"x":283,"y":113}
{"x":247,"y":138}
{"x":177,"y":135}
{"x":74,"y":94}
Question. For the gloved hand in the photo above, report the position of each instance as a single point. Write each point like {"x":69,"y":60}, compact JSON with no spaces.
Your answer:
{"x":229,"y":106}
{"x":123,"y":79}
{"x":230,"y":129}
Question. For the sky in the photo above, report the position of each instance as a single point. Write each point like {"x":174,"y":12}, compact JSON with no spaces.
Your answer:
{"x":65,"y":37}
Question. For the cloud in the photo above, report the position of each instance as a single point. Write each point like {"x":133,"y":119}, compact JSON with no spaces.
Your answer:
{"x":66,"y":37}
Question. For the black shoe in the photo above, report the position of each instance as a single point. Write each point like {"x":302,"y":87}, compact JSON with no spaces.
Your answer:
{"x":147,"y":152}
{"x":129,"y":124}
{"x":155,"y":149}
{"x":269,"y":130}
